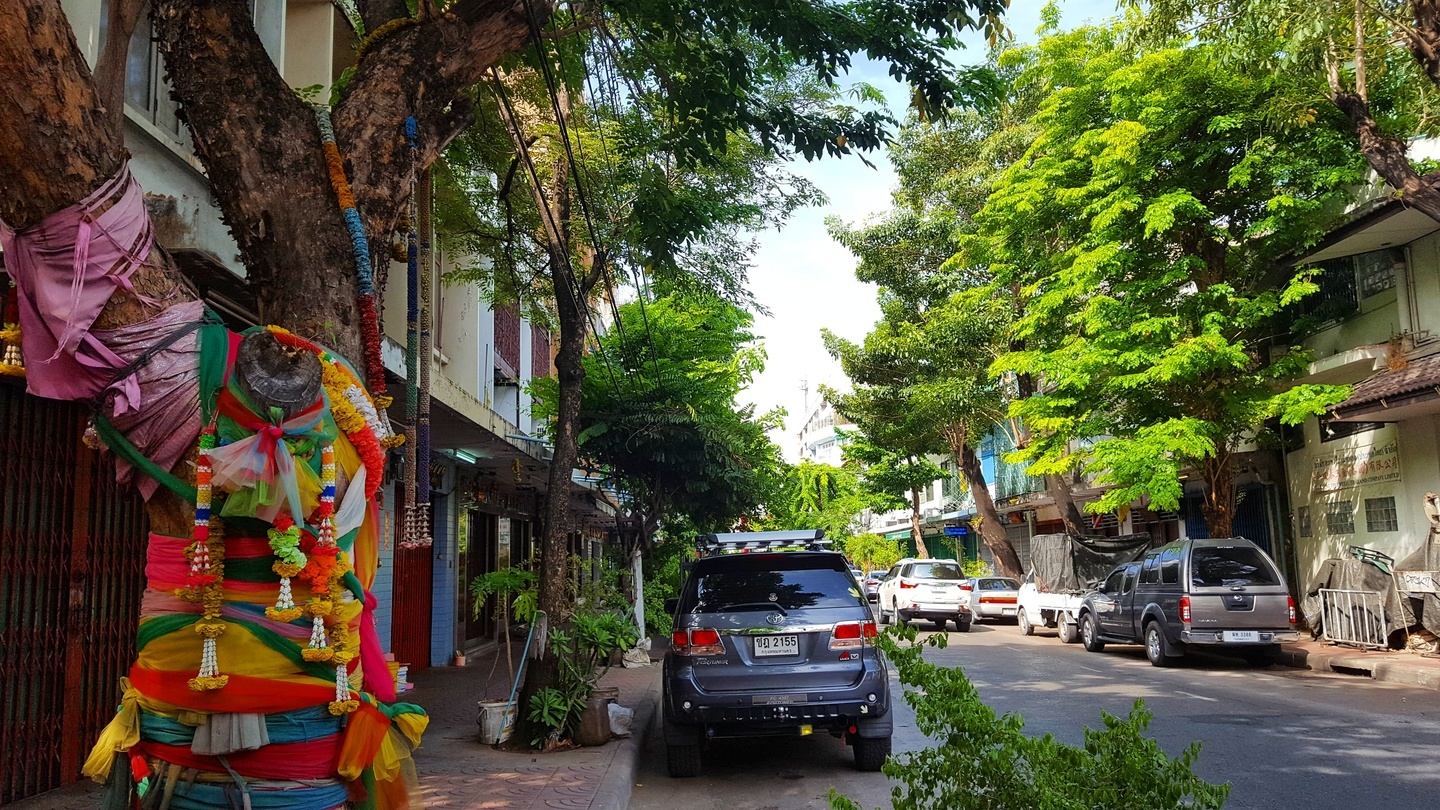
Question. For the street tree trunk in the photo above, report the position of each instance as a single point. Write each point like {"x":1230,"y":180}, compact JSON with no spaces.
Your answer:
{"x":915,"y":524}
{"x":1218,"y":473}
{"x":992,"y":531}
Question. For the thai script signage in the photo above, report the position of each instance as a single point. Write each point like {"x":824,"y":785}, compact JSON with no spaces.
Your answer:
{"x":1362,"y":465}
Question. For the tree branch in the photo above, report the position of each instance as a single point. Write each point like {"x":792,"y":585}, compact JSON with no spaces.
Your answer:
{"x":375,"y":13}
{"x":1386,"y":155}
{"x":110,"y":65}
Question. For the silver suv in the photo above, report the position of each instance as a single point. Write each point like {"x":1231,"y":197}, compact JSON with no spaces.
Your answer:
{"x":1223,"y":594}
{"x":773,"y":637}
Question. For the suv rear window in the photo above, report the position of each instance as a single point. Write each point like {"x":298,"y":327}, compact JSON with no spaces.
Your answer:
{"x":935,"y":571}
{"x":1218,"y":566}
{"x":757,"y":583}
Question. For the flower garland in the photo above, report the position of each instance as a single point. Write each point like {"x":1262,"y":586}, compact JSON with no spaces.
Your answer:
{"x":205,"y":581}
{"x":365,"y":278}
{"x":289,"y":562}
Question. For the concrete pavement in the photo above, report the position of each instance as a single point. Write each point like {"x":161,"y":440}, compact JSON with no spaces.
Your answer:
{"x":1408,"y":668}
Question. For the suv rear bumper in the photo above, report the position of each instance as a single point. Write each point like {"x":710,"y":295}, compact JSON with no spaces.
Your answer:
{"x":1216,"y":637}
{"x":749,"y":714}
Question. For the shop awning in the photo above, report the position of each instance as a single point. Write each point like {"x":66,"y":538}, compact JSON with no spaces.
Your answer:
{"x":1393,"y":396}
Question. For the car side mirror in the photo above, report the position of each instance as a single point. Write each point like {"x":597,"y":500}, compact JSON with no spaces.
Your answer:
{"x":671,"y":604}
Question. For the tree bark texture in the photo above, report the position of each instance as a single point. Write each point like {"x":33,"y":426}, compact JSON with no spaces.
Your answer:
{"x":1387,"y":156}
{"x":1219,"y":507}
{"x":992,"y":531}
{"x":915,"y":531}
{"x":262,"y":148}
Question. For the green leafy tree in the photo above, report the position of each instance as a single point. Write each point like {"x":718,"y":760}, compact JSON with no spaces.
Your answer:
{"x":1141,"y":227}
{"x":872,"y":552}
{"x":818,"y":496}
{"x":893,"y":472}
{"x":1377,"y":64}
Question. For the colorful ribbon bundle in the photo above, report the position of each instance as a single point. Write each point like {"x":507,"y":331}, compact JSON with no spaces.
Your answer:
{"x":292,"y":667}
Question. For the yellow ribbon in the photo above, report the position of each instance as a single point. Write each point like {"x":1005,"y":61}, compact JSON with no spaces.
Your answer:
{"x":120,"y":736}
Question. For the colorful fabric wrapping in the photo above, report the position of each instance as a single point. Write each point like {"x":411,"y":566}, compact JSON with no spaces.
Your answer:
{"x":277,"y":795}
{"x":65,"y":268}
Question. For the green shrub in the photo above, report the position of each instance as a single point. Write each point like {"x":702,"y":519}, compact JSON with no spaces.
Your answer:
{"x":987,"y":762}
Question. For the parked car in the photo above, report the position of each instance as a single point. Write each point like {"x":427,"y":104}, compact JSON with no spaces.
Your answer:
{"x":993,"y":597}
{"x":872,"y":585}
{"x":925,"y":589}
{"x":773,"y":643}
{"x":1224,"y":595}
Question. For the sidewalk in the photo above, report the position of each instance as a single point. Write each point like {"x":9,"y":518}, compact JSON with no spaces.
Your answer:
{"x":1381,"y":665}
{"x":458,"y":773}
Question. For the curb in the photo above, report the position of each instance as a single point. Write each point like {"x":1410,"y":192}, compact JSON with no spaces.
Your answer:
{"x":619,"y":781}
{"x":1375,"y":667}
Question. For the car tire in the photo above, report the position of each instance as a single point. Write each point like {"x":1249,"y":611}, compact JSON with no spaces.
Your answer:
{"x":939,"y":624}
{"x":1022,"y":620}
{"x":1069,"y":633}
{"x":1090,"y":634}
{"x":1155,"y":646}
{"x":871,"y":753}
{"x":683,"y":761}
{"x":963,"y":627}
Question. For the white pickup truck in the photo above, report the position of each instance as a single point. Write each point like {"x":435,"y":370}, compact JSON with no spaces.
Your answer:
{"x":1063,"y":568}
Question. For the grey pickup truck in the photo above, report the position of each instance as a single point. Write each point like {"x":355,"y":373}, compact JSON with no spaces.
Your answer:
{"x":1224,"y":595}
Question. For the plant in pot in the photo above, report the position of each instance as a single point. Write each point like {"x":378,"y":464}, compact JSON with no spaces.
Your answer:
{"x":567,"y":710}
{"x":515,"y":594}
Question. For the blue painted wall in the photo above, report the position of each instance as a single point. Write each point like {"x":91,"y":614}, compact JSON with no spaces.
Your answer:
{"x":442,"y":611}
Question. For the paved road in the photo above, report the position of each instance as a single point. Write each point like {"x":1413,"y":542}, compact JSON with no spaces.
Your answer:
{"x":1284,"y":738}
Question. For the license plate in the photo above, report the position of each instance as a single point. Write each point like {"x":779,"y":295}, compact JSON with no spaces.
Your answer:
{"x":1240,"y":635}
{"x":778,"y":700}
{"x":1007,"y":611}
{"x":777,"y":645}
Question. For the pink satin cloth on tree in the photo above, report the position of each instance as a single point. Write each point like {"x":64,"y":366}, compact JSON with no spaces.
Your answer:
{"x":65,"y":269}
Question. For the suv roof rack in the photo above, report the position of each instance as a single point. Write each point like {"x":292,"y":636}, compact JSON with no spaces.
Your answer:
{"x":743,"y":542}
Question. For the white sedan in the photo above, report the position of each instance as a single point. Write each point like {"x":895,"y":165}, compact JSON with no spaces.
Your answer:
{"x":993,"y":597}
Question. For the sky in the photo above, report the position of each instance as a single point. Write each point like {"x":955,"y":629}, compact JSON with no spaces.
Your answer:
{"x":807,"y":280}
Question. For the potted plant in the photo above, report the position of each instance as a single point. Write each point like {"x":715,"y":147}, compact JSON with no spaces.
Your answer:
{"x":514,"y":590}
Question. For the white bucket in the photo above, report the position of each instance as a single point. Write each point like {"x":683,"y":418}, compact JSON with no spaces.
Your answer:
{"x":496,"y":721}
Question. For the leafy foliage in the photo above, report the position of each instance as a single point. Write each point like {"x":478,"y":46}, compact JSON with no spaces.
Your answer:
{"x":871,"y":552}
{"x":1139,"y":230}
{"x":986,"y":762}
{"x":661,"y":415}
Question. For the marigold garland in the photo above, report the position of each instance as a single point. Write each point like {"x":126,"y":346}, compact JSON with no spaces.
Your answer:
{"x":289,"y":561}
{"x":205,"y":582}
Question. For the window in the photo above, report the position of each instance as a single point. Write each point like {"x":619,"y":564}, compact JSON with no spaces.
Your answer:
{"x":1340,"y":517}
{"x":1330,"y":429}
{"x":1224,"y":566}
{"x":787,"y":584}
{"x":1380,"y":515}
{"x":1112,"y":584}
{"x":1376,"y":270}
{"x":999,"y":585}
{"x":1131,"y":571}
{"x":1170,"y":566}
{"x":946,"y":571}
{"x":1302,"y":521}
{"x":1151,"y":574}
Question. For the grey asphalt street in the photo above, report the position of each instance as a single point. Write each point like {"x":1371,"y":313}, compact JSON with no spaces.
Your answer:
{"x":1284,"y":738}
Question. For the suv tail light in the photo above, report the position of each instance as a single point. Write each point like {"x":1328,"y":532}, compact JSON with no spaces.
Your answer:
{"x":1291,"y":600}
{"x":1185,"y":609}
{"x":904,"y":584}
{"x":967,"y":585}
{"x":699,"y":641}
{"x":850,"y":635}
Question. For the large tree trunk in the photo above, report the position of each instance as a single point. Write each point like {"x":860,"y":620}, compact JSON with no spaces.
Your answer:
{"x":992,"y":531}
{"x":915,"y":525}
{"x":1218,"y":508}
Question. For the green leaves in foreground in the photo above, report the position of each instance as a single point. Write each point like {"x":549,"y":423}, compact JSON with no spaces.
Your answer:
{"x":985,"y":762}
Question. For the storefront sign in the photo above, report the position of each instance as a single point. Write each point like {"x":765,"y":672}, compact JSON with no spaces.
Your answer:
{"x":1366,"y":464}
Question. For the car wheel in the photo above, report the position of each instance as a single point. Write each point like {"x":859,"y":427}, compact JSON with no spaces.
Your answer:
{"x":1069,"y":633}
{"x":939,"y":624}
{"x":963,"y":627}
{"x":871,"y":753}
{"x":1090,"y":634}
{"x":1155,"y":646}
{"x":683,"y":761}
{"x":1022,"y":619}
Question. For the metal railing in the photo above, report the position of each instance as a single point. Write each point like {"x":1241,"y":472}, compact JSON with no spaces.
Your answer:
{"x":1356,"y":618}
